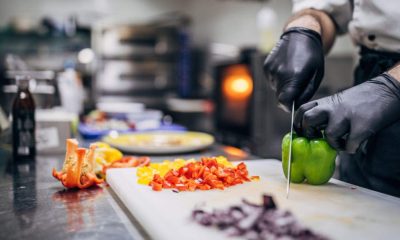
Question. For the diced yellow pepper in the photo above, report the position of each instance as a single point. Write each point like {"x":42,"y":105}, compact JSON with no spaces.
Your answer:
{"x":146,"y":174}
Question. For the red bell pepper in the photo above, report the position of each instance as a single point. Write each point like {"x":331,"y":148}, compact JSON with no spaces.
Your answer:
{"x":78,"y":169}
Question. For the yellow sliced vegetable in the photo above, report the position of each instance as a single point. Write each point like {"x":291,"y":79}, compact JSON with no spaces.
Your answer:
{"x":145,"y":174}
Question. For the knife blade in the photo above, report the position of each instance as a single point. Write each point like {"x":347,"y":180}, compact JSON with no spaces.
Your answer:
{"x":290,"y":153}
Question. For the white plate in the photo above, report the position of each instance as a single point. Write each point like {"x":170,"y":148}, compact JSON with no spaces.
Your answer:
{"x":160,"y":142}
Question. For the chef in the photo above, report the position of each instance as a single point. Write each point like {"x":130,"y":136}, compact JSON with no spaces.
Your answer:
{"x":362,"y":122}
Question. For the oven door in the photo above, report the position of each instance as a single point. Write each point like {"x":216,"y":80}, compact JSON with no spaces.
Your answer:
{"x":247,"y":113}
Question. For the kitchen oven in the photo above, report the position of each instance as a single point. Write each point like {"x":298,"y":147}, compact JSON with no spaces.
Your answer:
{"x":246,"y":113}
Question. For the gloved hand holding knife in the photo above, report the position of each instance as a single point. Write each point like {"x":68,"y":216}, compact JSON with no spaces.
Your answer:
{"x":295,"y":68}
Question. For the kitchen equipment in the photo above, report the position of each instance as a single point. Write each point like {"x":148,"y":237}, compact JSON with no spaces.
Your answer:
{"x":160,"y":142}
{"x":137,"y":61}
{"x":290,"y":153}
{"x":53,"y":126}
{"x":88,"y":132}
{"x":337,"y":209}
{"x":72,"y":93}
{"x":42,"y":85}
{"x":135,"y":77}
{"x":4,"y":123}
{"x":246,"y":113}
{"x":125,"y":40}
{"x":120,"y":108}
{"x":121,"y":117}
{"x":196,"y":113}
{"x":147,"y":120}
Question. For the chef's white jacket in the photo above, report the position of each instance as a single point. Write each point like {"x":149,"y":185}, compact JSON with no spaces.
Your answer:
{"x":372,"y":23}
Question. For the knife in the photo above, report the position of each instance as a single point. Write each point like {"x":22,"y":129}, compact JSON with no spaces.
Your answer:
{"x":290,"y":153}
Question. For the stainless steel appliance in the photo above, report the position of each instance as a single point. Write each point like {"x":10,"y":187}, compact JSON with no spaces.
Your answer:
{"x":136,"y":63}
{"x":42,"y":86}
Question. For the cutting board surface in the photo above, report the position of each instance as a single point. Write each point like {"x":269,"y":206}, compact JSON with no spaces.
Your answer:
{"x":336,"y":210}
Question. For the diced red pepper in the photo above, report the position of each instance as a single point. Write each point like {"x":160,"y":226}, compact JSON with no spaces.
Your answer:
{"x":128,"y":161}
{"x":156,"y":186}
{"x":203,"y":175}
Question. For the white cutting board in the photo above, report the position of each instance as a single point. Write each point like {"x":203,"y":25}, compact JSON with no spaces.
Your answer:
{"x":336,"y":210}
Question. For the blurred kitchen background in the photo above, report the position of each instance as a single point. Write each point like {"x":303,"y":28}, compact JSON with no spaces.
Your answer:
{"x":109,"y":66}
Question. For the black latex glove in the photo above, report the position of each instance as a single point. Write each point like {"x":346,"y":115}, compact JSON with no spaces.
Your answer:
{"x":295,"y":66}
{"x":352,"y":116}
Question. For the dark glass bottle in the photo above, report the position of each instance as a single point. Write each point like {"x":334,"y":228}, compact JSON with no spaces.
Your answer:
{"x":23,"y":125}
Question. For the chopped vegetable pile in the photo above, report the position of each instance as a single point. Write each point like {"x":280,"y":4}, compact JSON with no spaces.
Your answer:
{"x":252,"y":221}
{"x":145,"y":174}
{"x":108,"y":157}
{"x":128,"y":161}
{"x":105,"y":154}
{"x":191,"y":175}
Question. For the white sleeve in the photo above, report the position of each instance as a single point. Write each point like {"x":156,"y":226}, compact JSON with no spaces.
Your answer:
{"x":339,"y":10}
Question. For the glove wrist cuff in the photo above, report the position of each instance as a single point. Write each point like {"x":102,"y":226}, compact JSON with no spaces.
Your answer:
{"x":391,"y":83}
{"x":304,"y":31}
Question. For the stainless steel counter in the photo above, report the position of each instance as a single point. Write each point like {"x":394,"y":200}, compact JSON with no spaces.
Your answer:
{"x":34,"y":205}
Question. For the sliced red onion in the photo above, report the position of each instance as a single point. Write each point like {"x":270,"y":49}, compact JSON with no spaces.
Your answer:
{"x":253,"y":221}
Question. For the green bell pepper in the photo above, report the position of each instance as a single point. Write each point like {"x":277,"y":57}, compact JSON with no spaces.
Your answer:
{"x":312,"y":159}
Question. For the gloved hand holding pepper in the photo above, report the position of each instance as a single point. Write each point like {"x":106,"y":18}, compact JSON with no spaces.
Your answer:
{"x":295,"y":66}
{"x":312,"y":159}
{"x":350,"y":117}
